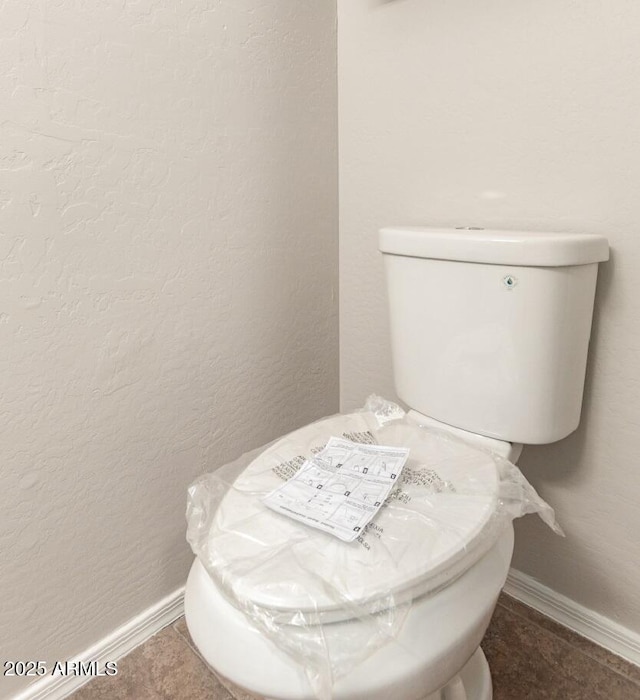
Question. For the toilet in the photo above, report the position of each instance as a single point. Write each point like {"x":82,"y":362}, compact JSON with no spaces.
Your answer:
{"x":489,"y":334}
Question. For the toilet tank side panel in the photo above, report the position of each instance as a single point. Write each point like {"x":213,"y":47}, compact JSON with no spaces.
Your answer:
{"x":492,"y":349}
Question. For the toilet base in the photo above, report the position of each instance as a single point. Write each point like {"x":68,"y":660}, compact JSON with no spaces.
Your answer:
{"x":472,"y":683}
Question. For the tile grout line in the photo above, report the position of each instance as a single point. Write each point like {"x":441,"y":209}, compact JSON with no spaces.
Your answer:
{"x":187,"y":641}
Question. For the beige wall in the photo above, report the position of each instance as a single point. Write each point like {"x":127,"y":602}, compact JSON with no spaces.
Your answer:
{"x":509,"y":114}
{"x":168,"y":268}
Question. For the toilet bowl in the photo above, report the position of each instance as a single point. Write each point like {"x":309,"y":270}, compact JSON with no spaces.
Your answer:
{"x":435,"y":656}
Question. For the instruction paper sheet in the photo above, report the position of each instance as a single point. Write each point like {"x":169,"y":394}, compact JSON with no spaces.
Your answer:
{"x":340,"y":489}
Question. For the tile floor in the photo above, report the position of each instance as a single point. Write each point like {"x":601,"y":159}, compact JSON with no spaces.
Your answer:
{"x":531,"y":658}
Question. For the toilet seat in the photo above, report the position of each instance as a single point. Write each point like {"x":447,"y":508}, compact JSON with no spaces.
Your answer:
{"x":441,"y":521}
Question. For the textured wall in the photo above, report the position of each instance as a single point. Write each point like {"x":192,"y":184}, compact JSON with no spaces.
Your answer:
{"x":168,"y":266}
{"x":509,"y":114}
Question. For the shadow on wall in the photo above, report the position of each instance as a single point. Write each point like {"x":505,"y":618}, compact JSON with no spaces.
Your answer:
{"x":549,"y":554}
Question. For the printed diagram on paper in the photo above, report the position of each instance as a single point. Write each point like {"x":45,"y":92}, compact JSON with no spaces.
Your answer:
{"x":340,"y":489}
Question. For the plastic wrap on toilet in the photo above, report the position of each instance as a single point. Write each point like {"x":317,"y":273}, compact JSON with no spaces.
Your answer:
{"x":330,"y":604}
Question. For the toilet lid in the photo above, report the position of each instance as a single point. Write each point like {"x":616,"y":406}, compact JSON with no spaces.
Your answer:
{"x":439,"y":521}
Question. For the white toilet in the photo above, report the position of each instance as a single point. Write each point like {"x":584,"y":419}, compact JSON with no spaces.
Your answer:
{"x":490,"y":332}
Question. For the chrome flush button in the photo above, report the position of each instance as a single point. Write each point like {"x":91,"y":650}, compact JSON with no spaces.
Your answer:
{"x":509,"y":281}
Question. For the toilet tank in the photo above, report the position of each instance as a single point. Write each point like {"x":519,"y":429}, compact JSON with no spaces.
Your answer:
{"x":490,"y":329}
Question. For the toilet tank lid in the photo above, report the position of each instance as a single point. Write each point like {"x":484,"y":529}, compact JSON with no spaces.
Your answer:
{"x":496,"y":247}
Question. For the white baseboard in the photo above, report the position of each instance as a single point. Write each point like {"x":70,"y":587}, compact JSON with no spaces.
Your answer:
{"x":596,"y":628}
{"x":110,"y":648}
